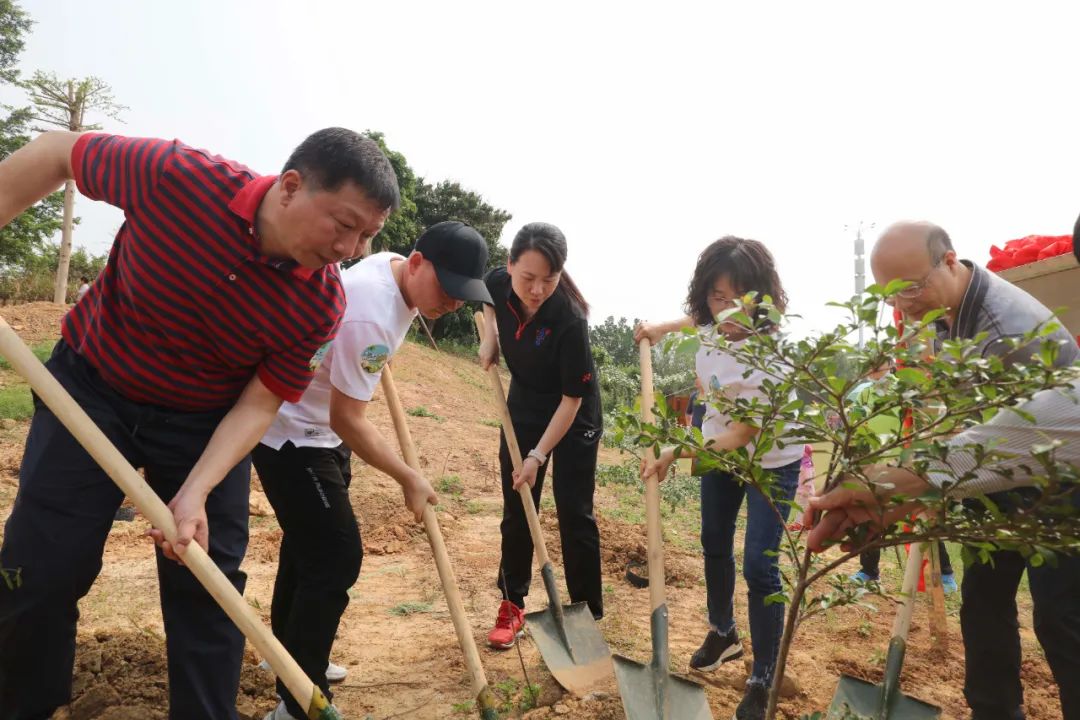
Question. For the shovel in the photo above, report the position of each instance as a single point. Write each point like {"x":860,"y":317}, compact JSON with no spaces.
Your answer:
{"x":651,"y":692}
{"x":150,"y":505}
{"x":857,"y":698}
{"x":568,"y":639}
{"x":485,"y":701}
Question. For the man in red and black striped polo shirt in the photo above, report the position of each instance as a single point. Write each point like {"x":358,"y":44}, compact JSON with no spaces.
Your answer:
{"x":218,"y":301}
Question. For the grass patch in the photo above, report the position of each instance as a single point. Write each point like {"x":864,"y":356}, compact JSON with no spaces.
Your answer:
{"x":492,"y":423}
{"x":470,"y":378}
{"x":450,"y":485}
{"x":16,"y":402}
{"x":515,"y":697}
{"x":421,"y":411}
{"x":42,"y":351}
{"x":410,"y":608}
{"x":475,"y":507}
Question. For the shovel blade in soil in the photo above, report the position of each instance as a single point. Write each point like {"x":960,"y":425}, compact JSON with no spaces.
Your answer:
{"x":576,"y":654}
{"x":652,"y":693}
{"x":857,"y":698}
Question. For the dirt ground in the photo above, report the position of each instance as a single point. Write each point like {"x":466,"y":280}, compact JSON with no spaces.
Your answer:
{"x":396,"y":637}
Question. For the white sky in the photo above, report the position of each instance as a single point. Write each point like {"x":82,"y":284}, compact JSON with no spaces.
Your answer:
{"x":644,"y":131}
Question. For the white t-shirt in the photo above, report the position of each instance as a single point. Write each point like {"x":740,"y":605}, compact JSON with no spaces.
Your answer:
{"x":720,"y":372}
{"x":374,"y":325}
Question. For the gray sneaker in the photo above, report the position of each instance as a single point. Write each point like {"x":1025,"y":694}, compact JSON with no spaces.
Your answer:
{"x":280,"y":713}
{"x":334,"y":673}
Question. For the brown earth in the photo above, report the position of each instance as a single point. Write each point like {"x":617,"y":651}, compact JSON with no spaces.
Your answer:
{"x":396,"y":637}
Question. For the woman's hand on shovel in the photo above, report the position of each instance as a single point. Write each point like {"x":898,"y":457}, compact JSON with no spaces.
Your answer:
{"x":189,"y":512}
{"x":529,"y":467}
{"x":659,"y":466}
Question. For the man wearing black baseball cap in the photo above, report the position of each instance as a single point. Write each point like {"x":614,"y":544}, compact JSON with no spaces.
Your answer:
{"x":303,"y":460}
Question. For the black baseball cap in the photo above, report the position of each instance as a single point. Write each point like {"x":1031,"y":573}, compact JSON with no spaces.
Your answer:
{"x":460,"y":256}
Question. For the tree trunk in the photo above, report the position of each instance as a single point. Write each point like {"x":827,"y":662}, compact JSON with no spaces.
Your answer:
{"x":790,"y":625}
{"x":60,"y":293}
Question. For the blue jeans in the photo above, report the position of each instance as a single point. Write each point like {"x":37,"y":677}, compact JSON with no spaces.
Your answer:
{"x":721,"y":497}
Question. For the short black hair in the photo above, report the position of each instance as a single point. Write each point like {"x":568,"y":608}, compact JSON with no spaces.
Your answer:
{"x":330,"y":157}
{"x":748,"y":266}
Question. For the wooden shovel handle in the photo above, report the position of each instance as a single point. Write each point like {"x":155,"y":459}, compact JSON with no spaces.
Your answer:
{"x":657,"y":595}
{"x":912,"y":570}
{"x":515,"y":451}
{"x":149,"y":504}
{"x":438,"y":546}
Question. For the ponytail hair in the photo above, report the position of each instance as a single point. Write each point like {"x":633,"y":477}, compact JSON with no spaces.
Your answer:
{"x":550,"y":242}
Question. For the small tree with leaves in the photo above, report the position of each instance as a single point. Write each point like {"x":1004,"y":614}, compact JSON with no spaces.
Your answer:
{"x":808,"y":398}
{"x":66,"y":104}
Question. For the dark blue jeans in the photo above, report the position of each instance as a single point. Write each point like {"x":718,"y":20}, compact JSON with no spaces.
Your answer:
{"x":56,"y":534}
{"x":721,"y":498}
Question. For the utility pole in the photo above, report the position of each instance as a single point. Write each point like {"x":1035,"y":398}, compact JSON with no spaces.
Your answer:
{"x":860,"y":271}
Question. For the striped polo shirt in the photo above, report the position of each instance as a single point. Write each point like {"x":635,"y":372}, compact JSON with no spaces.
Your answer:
{"x":188,"y":308}
{"x":1053,"y":417}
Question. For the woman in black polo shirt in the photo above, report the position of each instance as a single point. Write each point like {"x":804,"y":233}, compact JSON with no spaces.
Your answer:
{"x":539,"y":320}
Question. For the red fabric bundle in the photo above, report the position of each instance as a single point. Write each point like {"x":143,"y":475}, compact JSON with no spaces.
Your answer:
{"x":1028,"y":250}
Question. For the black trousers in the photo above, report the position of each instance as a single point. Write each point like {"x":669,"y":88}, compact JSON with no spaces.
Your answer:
{"x":574,"y":484}
{"x":988,"y":623}
{"x":56,"y":534}
{"x":870,"y":560}
{"x":320,"y":553}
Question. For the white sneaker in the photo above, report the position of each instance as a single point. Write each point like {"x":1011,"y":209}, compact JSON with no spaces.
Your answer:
{"x":334,"y":673}
{"x":280,"y":713}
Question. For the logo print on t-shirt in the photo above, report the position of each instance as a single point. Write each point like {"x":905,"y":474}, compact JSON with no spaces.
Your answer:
{"x":374,"y":357}
{"x":542,"y":335}
{"x":317,"y":358}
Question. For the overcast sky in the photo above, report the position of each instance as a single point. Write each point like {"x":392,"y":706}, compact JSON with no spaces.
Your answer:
{"x":644,"y":131}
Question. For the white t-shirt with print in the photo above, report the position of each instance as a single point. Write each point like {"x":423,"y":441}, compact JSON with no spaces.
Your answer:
{"x":375,"y":323}
{"x":720,"y":372}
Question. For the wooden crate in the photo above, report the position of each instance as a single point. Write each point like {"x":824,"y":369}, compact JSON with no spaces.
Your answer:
{"x":1055,"y":282}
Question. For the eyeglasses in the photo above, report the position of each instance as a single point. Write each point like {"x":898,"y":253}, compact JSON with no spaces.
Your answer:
{"x":916,"y":289}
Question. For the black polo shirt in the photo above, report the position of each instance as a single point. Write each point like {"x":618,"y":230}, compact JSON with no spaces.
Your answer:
{"x":548,"y":356}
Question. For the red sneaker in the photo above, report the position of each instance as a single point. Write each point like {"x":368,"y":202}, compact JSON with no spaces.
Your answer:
{"x":508,"y":627}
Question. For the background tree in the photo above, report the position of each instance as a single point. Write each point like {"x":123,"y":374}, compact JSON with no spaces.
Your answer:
{"x":449,"y":201}
{"x":25,"y":238}
{"x":617,"y":338}
{"x":404,"y":226}
{"x":423,"y":205}
{"x":65,"y":104}
{"x":15,"y":24}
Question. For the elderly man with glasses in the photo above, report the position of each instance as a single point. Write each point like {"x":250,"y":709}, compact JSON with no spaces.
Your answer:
{"x":977,"y":302}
